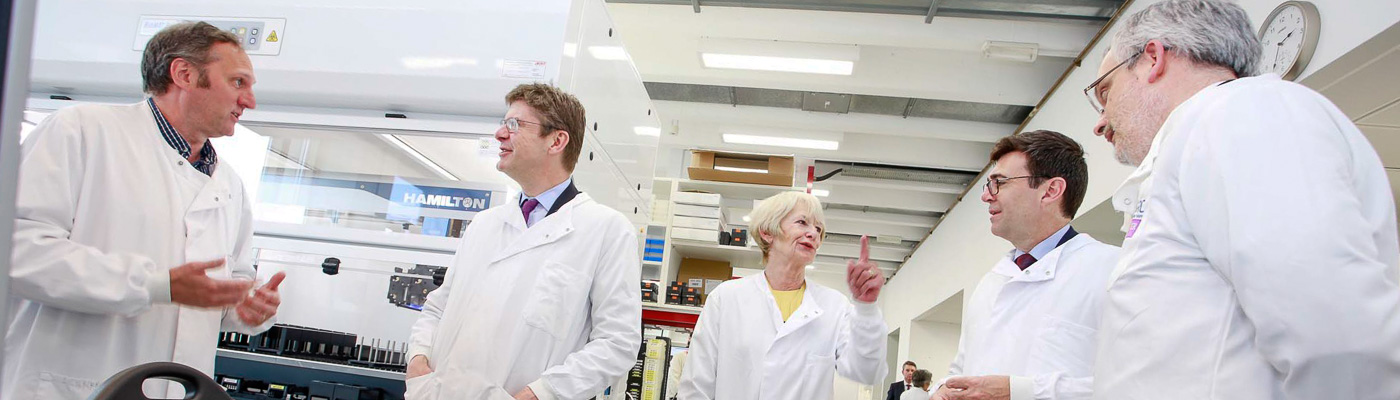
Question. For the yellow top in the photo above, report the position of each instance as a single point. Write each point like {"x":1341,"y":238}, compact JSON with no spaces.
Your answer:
{"x":789,"y":300}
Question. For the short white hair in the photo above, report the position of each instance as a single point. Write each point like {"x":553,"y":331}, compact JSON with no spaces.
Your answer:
{"x":1209,"y":32}
{"x":768,"y":216}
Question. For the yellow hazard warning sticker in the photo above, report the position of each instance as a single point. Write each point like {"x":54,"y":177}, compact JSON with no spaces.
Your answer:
{"x":271,"y":36}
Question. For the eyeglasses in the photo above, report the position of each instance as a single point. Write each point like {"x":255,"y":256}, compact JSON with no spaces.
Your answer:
{"x":993,"y":184}
{"x":1095,"y":98}
{"x":513,"y":124}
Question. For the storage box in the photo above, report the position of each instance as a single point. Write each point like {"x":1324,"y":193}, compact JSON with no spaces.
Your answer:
{"x":692,"y":300}
{"x":738,"y":237}
{"x":707,"y":270}
{"x":696,"y":198}
{"x":691,"y":210}
{"x":703,"y":163}
{"x":699,"y":235}
{"x":696,"y":223}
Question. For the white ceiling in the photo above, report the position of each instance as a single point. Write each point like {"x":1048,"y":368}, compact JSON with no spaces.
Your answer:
{"x":900,"y":56}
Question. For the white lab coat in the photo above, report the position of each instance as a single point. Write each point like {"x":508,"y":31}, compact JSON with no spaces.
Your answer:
{"x":556,"y":302}
{"x":1038,"y":326}
{"x":742,"y":349}
{"x":105,"y":209}
{"x":1261,"y":260}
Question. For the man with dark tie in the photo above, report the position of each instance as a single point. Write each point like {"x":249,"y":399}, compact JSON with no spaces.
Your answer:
{"x":898,"y":388}
{"x":1029,"y":329}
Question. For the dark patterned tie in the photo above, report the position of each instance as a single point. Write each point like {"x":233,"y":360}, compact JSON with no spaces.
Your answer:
{"x":1025,"y":261}
{"x":526,"y":208}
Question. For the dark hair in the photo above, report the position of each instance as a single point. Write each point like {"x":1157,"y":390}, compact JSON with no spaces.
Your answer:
{"x":910,"y":364}
{"x":190,"y":41}
{"x":1049,"y":155}
{"x":922,"y":378}
{"x":557,"y":111}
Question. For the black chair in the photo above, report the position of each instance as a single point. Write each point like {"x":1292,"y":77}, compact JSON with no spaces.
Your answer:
{"x":126,"y":385}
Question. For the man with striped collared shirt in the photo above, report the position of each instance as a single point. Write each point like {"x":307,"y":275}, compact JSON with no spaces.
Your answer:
{"x":132,"y":241}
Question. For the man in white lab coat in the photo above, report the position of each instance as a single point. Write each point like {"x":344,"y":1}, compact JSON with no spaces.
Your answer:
{"x":541,"y":300}
{"x":132,"y":237}
{"x":1029,"y":328}
{"x":1260,"y":258}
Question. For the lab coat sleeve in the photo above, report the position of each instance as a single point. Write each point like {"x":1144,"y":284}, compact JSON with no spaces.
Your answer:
{"x":1269,"y":191}
{"x":860,"y":344}
{"x":420,"y":339}
{"x":1055,"y":386}
{"x":48,"y":266}
{"x":242,"y":268}
{"x":616,"y":315}
{"x":702,"y":363}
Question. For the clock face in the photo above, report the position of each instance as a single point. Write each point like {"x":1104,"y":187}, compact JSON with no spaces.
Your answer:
{"x":1283,"y":39}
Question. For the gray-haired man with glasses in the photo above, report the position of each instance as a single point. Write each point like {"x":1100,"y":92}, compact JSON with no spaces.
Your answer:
{"x":1261,"y":251}
{"x":1029,"y":328}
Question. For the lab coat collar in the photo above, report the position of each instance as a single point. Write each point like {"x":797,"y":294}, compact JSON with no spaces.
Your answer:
{"x":565,"y":198}
{"x":805,"y":313}
{"x":1044,"y":269}
{"x":545,"y":231}
{"x":1126,"y":199}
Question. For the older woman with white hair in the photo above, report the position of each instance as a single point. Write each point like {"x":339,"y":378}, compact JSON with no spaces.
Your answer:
{"x":776,"y":335}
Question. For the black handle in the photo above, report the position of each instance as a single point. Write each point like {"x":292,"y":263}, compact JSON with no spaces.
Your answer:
{"x":127,"y":384}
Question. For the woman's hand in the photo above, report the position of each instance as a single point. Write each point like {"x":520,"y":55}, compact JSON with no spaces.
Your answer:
{"x":864,"y":276}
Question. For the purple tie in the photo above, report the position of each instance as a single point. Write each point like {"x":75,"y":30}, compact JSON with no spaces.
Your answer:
{"x":1025,"y":261}
{"x":528,"y":207}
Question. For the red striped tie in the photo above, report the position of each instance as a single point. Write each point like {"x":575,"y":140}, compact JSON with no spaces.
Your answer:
{"x":1025,"y":261}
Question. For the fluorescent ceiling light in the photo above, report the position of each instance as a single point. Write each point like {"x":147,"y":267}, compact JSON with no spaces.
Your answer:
{"x":779,"y":64}
{"x":610,"y":53}
{"x":746,"y":218}
{"x":647,"y":131}
{"x":571,"y":50}
{"x":737,"y":169}
{"x":820,"y":192}
{"x":781,"y":141}
{"x":1011,"y":51}
{"x":393,"y":139}
{"x":811,"y":267}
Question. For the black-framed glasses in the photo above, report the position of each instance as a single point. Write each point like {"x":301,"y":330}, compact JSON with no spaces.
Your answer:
{"x":993,"y":184}
{"x":513,"y":124}
{"x":1096,"y":98}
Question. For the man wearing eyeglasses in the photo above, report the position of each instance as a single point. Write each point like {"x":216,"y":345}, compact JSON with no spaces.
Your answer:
{"x":1029,"y":328}
{"x":541,"y":299}
{"x":1261,"y":252}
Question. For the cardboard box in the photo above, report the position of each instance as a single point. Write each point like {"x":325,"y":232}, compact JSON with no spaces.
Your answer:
{"x":709,"y":270}
{"x":699,"y":235}
{"x":703,"y":163}
{"x":713,"y":224}
{"x":696,"y":198}
{"x":691,"y":210}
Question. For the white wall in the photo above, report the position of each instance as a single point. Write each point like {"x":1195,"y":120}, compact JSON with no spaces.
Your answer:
{"x":962,"y":249}
{"x":932,"y":345}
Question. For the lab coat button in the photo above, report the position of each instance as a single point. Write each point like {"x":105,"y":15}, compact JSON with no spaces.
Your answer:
{"x":180,"y":163}
{"x":1047,"y":273}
